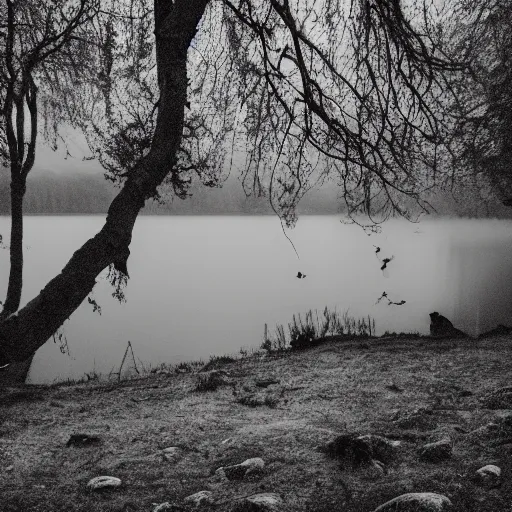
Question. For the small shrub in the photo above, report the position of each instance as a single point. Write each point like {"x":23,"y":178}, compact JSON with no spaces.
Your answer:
{"x":210,"y":381}
{"x":217,"y":362}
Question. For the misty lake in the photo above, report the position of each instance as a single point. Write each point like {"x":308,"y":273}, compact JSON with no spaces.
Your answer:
{"x":207,"y":285}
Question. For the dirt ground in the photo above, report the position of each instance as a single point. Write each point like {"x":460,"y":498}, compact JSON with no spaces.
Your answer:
{"x":409,"y":390}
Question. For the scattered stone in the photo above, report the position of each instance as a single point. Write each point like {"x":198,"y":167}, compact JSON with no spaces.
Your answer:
{"x":417,"y":502}
{"x":349,"y":449}
{"x":489,"y":476}
{"x":421,"y":419}
{"x":499,"y":399}
{"x":103,"y":482}
{"x":263,"y":502}
{"x":361,"y":450}
{"x":82,"y":440}
{"x":240,"y":471}
{"x":171,"y":453}
{"x":437,"y":451}
{"x":382,"y":449}
{"x":497,"y":432}
{"x":164,"y":507}
{"x":199,"y":498}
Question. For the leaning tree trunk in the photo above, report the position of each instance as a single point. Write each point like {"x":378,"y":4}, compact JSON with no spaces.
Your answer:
{"x":22,"y":333}
{"x":13,"y":298}
{"x":16,"y":372}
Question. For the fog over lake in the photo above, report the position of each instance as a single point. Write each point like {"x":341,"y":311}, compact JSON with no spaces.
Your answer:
{"x":207,"y":285}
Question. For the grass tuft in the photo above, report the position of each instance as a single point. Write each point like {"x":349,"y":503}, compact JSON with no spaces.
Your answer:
{"x":313,"y":329}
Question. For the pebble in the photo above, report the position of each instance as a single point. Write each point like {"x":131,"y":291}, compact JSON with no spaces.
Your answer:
{"x":436,"y":452}
{"x":171,"y":453}
{"x":417,"y":502}
{"x":103,"y":482}
{"x":489,"y":476}
{"x":162,"y":507}
{"x":199,"y":498}
{"x":264,"y":502}
{"x":239,"y":471}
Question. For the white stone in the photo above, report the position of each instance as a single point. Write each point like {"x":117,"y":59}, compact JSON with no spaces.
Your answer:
{"x":489,"y":476}
{"x":171,"y":453}
{"x":103,"y":482}
{"x":255,"y":463}
{"x":162,"y":507}
{"x":200,"y":498}
{"x":417,"y":502}
{"x":238,"y":471}
{"x":266,"y":501}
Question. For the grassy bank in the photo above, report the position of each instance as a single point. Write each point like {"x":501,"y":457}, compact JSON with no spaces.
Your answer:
{"x":280,"y":408}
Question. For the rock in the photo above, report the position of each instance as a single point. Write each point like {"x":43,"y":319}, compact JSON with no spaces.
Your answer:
{"x":82,"y":440}
{"x":199,"y":498}
{"x":499,"y":399}
{"x":489,"y":476}
{"x":349,"y":449}
{"x":239,"y":471}
{"x":496,"y":432}
{"x":9,"y":468}
{"x":436,"y":452}
{"x":164,"y":507}
{"x":171,"y":453}
{"x":421,"y":419}
{"x":103,"y":482}
{"x":263,"y":502}
{"x":382,"y":449}
{"x":361,"y":450}
{"x":417,"y":502}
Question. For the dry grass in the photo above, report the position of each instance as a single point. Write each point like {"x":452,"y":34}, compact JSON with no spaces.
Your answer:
{"x":329,"y":390}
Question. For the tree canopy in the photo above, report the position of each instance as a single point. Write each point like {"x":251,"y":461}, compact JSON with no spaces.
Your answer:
{"x":480,"y":106}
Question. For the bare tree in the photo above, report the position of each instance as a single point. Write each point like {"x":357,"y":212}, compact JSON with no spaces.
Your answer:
{"x":310,"y":88}
{"x":35,"y":40}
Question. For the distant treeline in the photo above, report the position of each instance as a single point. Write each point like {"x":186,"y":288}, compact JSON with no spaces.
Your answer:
{"x":78,"y":193}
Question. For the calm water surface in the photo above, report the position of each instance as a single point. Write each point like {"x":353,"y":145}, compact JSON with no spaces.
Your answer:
{"x":207,"y":285}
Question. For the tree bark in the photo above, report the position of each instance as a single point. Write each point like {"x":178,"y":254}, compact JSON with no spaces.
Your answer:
{"x":15,"y":373}
{"x":13,"y":297}
{"x":22,"y":333}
